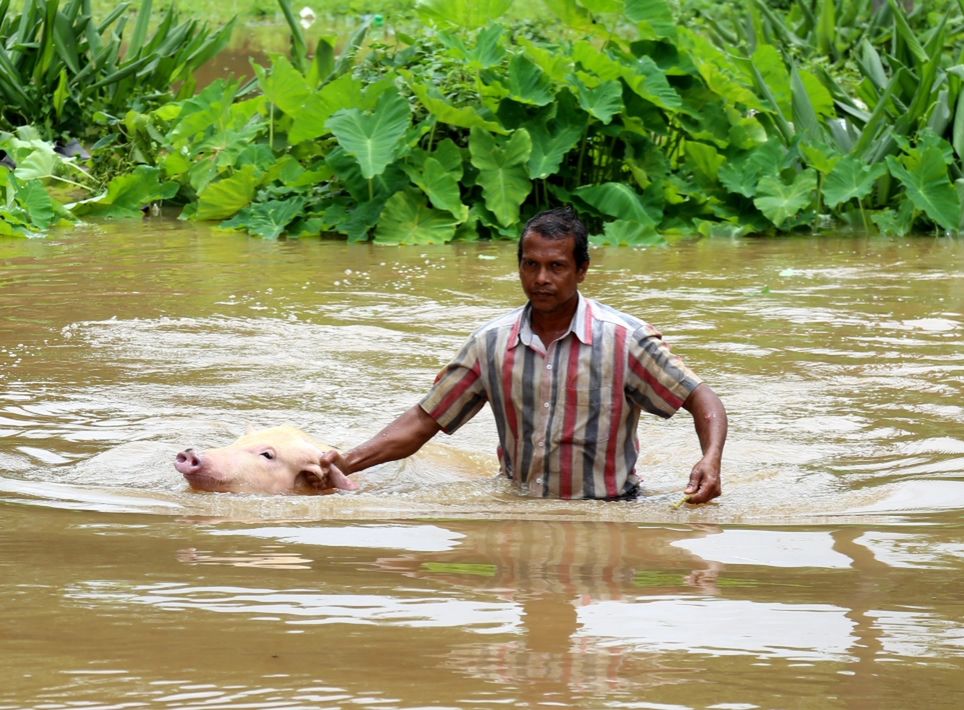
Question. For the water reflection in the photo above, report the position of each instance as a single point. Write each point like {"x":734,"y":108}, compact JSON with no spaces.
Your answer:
{"x":568,"y":609}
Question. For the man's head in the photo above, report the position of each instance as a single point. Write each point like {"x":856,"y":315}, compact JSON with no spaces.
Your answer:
{"x":553,"y":260}
{"x":560,"y":223}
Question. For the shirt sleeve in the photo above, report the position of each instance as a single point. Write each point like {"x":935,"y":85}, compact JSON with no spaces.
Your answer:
{"x":656,"y":379}
{"x":459,"y":392}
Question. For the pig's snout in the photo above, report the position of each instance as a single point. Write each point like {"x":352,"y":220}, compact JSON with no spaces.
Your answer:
{"x":188,"y":462}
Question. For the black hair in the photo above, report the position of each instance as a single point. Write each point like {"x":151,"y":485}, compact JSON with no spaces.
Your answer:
{"x":560,"y":223}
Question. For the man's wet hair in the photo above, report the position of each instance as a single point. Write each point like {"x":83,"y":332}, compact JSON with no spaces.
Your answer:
{"x":560,"y":223}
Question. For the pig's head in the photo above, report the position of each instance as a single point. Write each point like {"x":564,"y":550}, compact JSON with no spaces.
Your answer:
{"x":281,"y":459}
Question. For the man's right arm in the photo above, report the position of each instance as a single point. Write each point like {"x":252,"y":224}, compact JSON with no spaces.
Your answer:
{"x":400,"y":439}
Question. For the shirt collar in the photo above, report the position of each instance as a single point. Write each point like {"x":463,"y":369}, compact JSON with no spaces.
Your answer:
{"x":581,"y":325}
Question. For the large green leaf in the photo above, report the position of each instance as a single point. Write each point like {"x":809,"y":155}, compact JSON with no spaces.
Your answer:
{"x":603,"y":101}
{"x":468,"y":14}
{"x":850,"y":179}
{"x":741,"y":175}
{"x":551,"y":142}
{"x":527,"y":83}
{"x":895,"y":223}
{"x":43,"y":210}
{"x":503,"y":174}
{"x":128,"y":194}
{"x":38,"y":164}
{"x":310,"y":119}
{"x":354,"y":220}
{"x":728,"y":79}
{"x":486,"y":53}
{"x":649,"y":82}
{"x":923,"y":173}
{"x":373,"y":138}
{"x":617,"y":200}
{"x":439,"y":184}
{"x":284,"y":86}
{"x":705,"y":159}
{"x":654,"y":18}
{"x":348,"y":176}
{"x":597,"y":62}
{"x":769,"y":63}
{"x":225,"y":198}
{"x":572,"y":13}
{"x":779,"y":201}
{"x":444,"y":112}
{"x":556,"y":65}
{"x":267,"y":219}
{"x":407,"y":219}
{"x":624,"y":232}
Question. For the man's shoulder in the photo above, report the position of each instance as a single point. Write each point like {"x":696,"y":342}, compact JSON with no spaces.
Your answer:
{"x":506,"y":321}
{"x":621,"y":320}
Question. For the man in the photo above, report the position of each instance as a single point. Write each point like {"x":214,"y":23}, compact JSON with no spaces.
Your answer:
{"x":566,"y":378}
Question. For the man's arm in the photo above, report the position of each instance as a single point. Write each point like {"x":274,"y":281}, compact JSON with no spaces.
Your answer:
{"x":402,"y":438}
{"x":709,"y":418}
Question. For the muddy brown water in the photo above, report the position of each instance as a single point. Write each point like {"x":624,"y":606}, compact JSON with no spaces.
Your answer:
{"x":828,"y":576}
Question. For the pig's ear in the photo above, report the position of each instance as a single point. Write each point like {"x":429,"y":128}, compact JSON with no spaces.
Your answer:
{"x":313,"y":477}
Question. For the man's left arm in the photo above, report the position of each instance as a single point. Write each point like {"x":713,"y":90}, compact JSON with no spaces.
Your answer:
{"x":709,"y":418}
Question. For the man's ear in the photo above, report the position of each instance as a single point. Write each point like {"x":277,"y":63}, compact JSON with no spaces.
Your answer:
{"x":581,"y":273}
{"x":313,"y":478}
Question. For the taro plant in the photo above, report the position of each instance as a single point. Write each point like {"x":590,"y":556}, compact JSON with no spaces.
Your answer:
{"x":60,"y":67}
{"x":653,"y":129}
{"x":465,"y":132}
{"x":650,"y":128}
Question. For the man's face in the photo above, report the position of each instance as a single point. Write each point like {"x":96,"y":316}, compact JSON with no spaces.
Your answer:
{"x":548,"y":272}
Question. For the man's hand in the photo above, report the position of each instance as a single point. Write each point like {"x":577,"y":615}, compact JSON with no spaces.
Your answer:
{"x":335,"y":468}
{"x":400,"y":439}
{"x":709,"y":418}
{"x":704,"y":484}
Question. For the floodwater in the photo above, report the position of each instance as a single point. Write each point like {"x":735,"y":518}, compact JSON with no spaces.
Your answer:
{"x":829,"y":575}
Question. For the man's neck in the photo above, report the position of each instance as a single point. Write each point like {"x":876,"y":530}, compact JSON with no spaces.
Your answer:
{"x":550,"y":326}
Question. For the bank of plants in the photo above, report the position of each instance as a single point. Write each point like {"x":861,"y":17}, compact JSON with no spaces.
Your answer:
{"x":62,"y":70}
{"x":652,"y":129}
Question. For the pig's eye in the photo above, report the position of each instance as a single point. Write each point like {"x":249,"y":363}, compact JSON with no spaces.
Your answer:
{"x":268,"y":455}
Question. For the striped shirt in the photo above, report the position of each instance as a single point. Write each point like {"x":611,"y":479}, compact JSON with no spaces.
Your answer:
{"x":566,"y":414}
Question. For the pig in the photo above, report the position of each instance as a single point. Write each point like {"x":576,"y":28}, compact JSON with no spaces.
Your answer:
{"x":282,"y":459}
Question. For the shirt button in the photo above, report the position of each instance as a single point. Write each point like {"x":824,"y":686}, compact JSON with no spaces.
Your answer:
{"x":549,"y":366}
{"x":546,"y":405}
{"x":539,"y":481}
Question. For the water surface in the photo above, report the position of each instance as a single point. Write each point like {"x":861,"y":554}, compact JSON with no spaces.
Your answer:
{"x":827,"y":576}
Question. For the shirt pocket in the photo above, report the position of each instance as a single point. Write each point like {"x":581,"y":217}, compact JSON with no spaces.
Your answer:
{"x":581,"y":415}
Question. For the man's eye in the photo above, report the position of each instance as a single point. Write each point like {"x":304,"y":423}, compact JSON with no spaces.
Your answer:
{"x":268,"y":455}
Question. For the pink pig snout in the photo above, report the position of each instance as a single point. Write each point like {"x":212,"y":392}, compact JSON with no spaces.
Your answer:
{"x":201,"y":471}
{"x":188,"y":462}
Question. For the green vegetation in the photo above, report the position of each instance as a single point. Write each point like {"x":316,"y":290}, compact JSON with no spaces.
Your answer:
{"x":742,"y":119}
{"x":60,"y":68}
